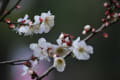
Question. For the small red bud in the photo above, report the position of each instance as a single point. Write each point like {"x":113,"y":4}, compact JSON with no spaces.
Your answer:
{"x":93,"y":29}
{"x":7,"y":20}
{"x":107,"y":12}
{"x":69,"y":43}
{"x":105,"y":35}
{"x":23,"y":21}
{"x":28,"y":64}
{"x":71,"y":37}
{"x":106,"y":24}
{"x":106,"y":5}
{"x":103,"y":20}
{"x":11,"y":26}
{"x":40,"y":19}
{"x":84,"y":32}
{"x":119,"y":15}
{"x":33,"y":58}
{"x":108,"y":16}
{"x":118,"y":6}
{"x":114,"y":1}
{"x":18,"y":6}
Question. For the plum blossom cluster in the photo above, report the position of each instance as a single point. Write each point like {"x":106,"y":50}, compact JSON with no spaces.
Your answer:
{"x":111,"y":15}
{"x":44,"y":50}
{"x":66,"y":44}
{"x":41,"y":24}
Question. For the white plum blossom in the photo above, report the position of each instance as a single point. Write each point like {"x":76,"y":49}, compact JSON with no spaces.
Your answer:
{"x":40,"y":49}
{"x":61,"y":51}
{"x":59,"y":64}
{"x":24,"y":29}
{"x":81,"y":50}
{"x":41,"y":24}
{"x":29,"y":70}
{"x":25,"y":69}
{"x":64,"y":40}
{"x":47,"y":22}
{"x":24,"y":20}
{"x":36,"y":19}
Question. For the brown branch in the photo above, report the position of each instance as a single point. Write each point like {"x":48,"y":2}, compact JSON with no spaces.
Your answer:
{"x":16,"y":23}
{"x":100,"y":29}
{"x":50,"y":69}
{"x":10,"y":11}
{"x":15,"y":62}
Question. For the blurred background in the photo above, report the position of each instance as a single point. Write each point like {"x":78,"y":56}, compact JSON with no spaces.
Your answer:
{"x":70,"y":17}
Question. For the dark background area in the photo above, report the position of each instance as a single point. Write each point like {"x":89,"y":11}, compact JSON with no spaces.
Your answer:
{"x":70,"y":17}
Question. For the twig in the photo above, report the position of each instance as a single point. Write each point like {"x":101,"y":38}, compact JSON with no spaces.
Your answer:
{"x":17,"y":23}
{"x":94,"y":33}
{"x":13,"y":62}
{"x":46,"y":73}
{"x":14,"y":7}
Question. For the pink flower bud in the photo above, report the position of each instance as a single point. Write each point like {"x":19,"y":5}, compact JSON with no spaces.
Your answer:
{"x":7,"y":20}
{"x":11,"y":26}
{"x":84,"y":32}
{"x":105,"y":35}
{"x":93,"y":29}
{"x":106,"y":24}
{"x":18,"y":6}
{"x":106,"y":5}
{"x":87,"y":27}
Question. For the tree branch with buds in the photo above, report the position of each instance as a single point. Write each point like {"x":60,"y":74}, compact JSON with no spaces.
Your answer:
{"x":65,"y":46}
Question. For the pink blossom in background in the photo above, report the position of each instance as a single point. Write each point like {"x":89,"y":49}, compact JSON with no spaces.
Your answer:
{"x":16,"y":71}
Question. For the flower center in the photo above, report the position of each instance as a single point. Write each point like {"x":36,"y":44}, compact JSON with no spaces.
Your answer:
{"x":81,"y":50}
{"x":46,"y":20}
{"x":60,"y":50}
{"x":59,"y":61}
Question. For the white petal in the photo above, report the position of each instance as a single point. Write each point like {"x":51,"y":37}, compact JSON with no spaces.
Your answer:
{"x":59,"y":66}
{"x":35,"y":63}
{"x":43,"y":15}
{"x":37,"y":52}
{"x":19,"y":20}
{"x":49,"y":13}
{"x":33,"y":46}
{"x":90,"y":49}
{"x":47,"y":28}
{"x":26,"y":17}
{"x":75,"y":42}
{"x":83,"y":44}
{"x":25,"y":69}
{"x":82,"y":56}
{"x":42,"y":43}
{"x":59,"y":41}
{"x":36,"y":19}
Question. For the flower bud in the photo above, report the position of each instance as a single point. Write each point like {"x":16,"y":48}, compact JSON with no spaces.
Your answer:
{"x":87,"y":27}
